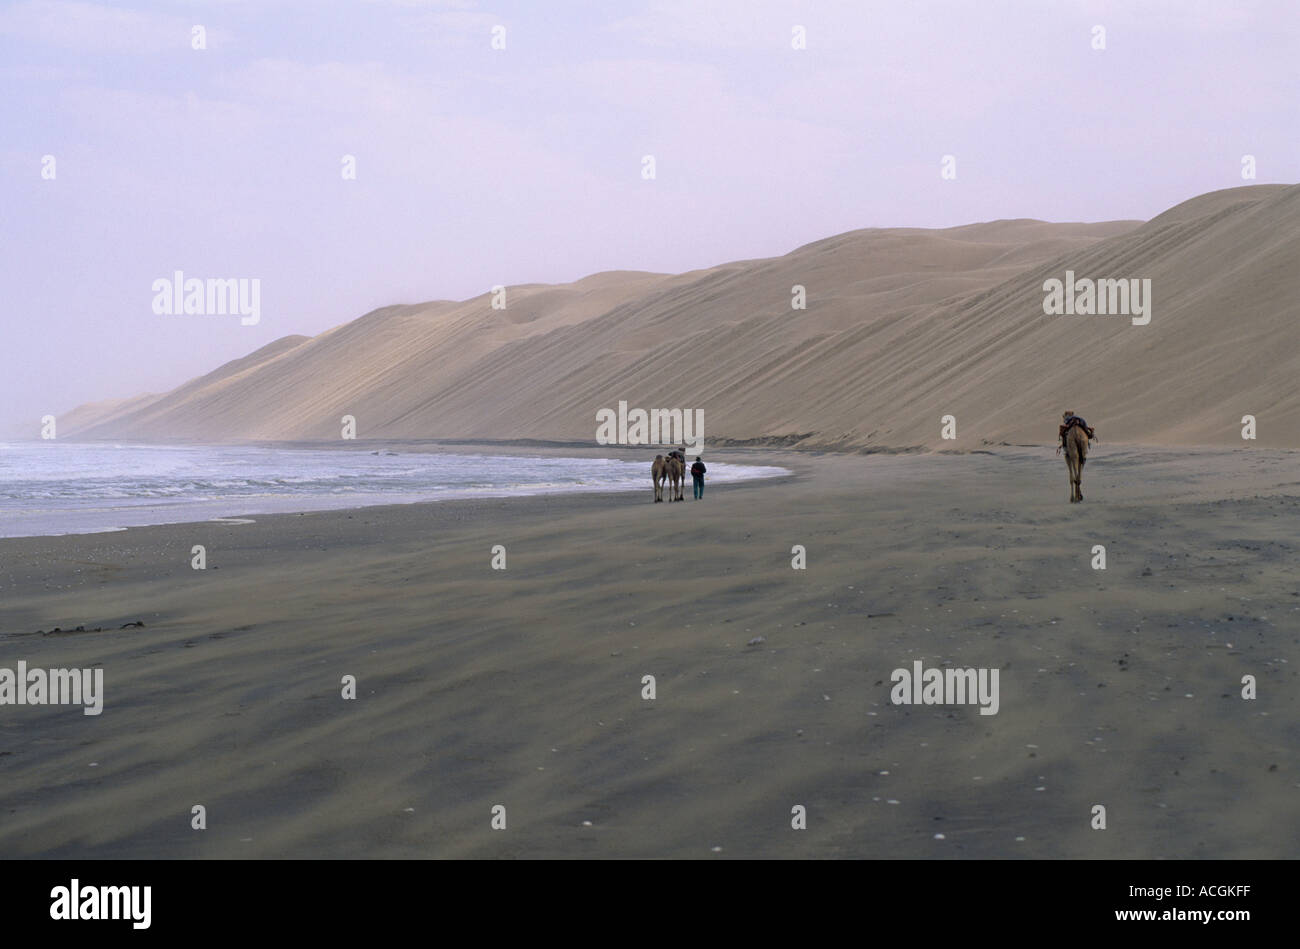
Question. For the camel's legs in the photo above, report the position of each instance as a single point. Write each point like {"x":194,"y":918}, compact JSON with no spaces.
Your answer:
{"x":1076,"y":455}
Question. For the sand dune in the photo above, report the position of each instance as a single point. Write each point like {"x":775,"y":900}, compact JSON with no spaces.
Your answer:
{"x":902,"y":327}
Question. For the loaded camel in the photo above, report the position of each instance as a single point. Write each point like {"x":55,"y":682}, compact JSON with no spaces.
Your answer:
{"x":1075,"y":435}
{"x":671,"y":469}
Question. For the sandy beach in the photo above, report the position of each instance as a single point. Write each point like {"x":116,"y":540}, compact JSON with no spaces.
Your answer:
{"x":522,"y":687}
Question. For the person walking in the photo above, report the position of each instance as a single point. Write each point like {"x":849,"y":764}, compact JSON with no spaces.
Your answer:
{"x":697,"y":474}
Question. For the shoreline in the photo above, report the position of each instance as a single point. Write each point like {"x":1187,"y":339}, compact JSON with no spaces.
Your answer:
{"x":286,"y":504}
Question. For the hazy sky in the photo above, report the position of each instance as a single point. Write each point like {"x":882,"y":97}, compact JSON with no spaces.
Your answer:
{"x":478,"y":166}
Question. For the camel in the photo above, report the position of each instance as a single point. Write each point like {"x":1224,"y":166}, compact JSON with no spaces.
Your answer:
{"x":668,"y":469}
{"x":1076,"y":455}
{"x":658,"y":472}
{"x":676,"y":477}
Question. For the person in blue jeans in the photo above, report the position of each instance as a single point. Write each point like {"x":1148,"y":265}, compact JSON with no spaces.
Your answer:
{"x":697,"y":474}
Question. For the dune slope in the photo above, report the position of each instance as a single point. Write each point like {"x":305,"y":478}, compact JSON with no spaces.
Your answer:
{"x":902,"y":327}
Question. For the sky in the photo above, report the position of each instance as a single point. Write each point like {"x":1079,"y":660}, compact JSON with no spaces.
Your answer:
{"x":506,"y":143}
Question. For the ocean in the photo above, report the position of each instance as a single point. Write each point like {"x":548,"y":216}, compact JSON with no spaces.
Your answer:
{"x":52,"y":487}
